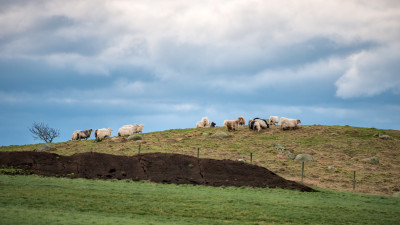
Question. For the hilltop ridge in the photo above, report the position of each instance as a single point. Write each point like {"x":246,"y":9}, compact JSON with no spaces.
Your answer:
{"x":338,"y":152}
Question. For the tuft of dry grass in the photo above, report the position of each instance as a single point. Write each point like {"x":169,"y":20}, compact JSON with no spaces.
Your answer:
{"x":331,"y":146}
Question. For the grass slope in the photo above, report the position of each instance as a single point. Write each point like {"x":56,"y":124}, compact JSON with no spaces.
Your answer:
{"x":38,"y":200}
{"x":337,"y":146}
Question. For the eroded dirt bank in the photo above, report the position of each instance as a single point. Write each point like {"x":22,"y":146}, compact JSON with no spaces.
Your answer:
{"x":156,"y":167}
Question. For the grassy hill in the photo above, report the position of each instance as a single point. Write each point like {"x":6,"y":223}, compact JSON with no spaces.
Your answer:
{"x":343,"y":148}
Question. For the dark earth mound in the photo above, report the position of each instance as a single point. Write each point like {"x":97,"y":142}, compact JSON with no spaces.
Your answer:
{"x":156,"y":167}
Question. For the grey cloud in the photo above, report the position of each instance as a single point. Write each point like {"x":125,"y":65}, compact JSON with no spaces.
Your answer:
{"x":6,"y":5}
{"x":44,"y":38}
{"x":232,"y":60}
{"x":371,"y":73}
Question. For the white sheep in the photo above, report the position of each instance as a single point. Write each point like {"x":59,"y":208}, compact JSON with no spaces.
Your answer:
{"x":273,"y":120}
{"x":288,"y":124}
{"x":224,"y":124}
{"x":102,"y":133}
{"x":127,"y":130}
{"x":199,"y":124}
{"x":206,"y":122}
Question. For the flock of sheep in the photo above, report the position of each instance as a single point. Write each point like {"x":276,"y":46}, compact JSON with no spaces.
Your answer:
{"x":254,"y":124}
{"x":100,"y":134}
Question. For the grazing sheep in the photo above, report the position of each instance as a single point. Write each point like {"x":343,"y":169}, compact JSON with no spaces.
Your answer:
{"x":102,"y":133}
{"x":232,"y":124}
{"x":263,"y":123}
{"x":140,"y":128}
{"x":288,"y":124}
{"x":273,"y":120}
{"x":258,"y":124}
{"x":224,"y":124}
{"x":127,"y":130}
{"x":213,"y":124}
{"x":255,"y":125}
{"x":241,"y":121}
{"x":84,"y":134}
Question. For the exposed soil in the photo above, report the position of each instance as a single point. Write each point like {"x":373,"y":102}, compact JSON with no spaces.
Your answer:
{"x":156,"y":167}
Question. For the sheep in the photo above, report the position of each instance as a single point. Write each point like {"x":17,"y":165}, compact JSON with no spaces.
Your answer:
{"x":102,"y":133}
{"x":213,"y":124}
{"x":140,"y":128}
{"x":254,"y":125}
{"x":241,"y":121}
{"x":232,"y":124}
{"x":258,"y":124}
{"x":263,"y":123}
{"x":127,"y":130}
{"x":75,"y":135}
{"x":206,"y":122}
{"x":273,"y":120}
{"x":84,"y":134}
{"x":288,"y":124}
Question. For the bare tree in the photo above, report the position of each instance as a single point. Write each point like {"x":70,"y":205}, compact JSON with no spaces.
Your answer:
{"x":43,"y":132}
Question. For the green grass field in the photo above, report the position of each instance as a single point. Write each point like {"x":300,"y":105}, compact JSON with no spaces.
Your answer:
{"x":43,"y":200}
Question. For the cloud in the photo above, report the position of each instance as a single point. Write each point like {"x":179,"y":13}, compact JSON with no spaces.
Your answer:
{"x":182,"y":36}
{"x":371,"y":73}
{"x":326,"y":62}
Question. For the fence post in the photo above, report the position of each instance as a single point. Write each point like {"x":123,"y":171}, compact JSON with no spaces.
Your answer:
{"x":302,"y":171}
{"x":251,"y":158}
{"x":354,"y":181}
{"x":198,"y":153}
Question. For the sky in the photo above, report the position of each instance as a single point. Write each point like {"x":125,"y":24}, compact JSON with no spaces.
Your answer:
{"x":77,"y":65}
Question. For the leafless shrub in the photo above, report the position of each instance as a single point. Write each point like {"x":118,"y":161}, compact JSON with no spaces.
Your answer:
{"x":43,"y":132}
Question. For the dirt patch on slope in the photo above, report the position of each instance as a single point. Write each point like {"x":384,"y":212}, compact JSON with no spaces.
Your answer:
{"x":156,"y":167}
